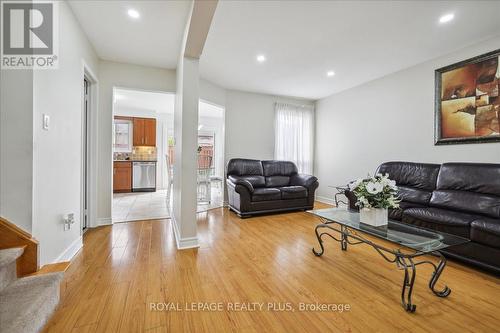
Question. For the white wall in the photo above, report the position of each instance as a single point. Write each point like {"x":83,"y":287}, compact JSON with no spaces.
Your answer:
{"x":249,"y":126}
{"x":391,"y":118}
{"x":57,"y":156}
{"x":112,"y":74}
{"x":212,"y":93}
{"x":16,"y":147}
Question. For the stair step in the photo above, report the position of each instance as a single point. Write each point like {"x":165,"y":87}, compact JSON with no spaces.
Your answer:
{"x":7,"y":256}
{"x":8,"y":265}
{"x":52,"y":268}
{"x":27,"y":304}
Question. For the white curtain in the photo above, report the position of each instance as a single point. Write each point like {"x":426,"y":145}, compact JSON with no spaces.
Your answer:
{"x":294,"y":135}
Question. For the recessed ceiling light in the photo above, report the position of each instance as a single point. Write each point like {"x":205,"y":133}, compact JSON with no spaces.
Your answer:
{"x":446,"y":18}
{"x":261,"y":58}
{"x":330,"y":73}
{"x":133,"y":13}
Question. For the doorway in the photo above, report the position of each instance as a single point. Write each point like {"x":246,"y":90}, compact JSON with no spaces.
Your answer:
{"x":210,"y":189}
{"x":210,"y":157}
{"x":88,"y":174}
{"x":141,"y":121}
{"x":85,"y":155}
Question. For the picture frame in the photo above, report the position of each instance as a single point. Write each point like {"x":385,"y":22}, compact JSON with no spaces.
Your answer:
{"x":467,"y":101}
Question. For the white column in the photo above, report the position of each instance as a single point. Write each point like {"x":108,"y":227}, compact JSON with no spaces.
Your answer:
{"x":185,"y":164}
{"x":186,"y":124}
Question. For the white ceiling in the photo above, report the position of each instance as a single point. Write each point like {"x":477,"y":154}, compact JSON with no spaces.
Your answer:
{"x":302,"y":40}
{"x":152,"y":40}
{"x":359,"y":40}
{"x":157,"y":102}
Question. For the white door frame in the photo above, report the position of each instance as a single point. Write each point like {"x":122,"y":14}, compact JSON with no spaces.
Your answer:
{"x":113,"y":90}
{"x":91,"y":148}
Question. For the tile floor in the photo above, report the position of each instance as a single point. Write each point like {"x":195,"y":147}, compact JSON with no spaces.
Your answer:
{"x":216,"y":201}
{"x":138,"y":206}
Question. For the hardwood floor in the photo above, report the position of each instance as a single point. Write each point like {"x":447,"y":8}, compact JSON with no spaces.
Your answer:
{"x":121,"y":270}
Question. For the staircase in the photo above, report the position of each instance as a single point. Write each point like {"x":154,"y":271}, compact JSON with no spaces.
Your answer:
{"x":25,"y":303}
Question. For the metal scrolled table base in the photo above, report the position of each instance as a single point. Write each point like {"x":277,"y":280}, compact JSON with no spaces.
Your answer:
{"x":404,"y":261}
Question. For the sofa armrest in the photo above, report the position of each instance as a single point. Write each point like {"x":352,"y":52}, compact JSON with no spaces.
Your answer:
{"x":234,"y":181}
{"x":301,"y":179}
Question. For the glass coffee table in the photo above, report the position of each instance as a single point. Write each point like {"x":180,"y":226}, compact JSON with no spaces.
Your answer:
{"x":410,"y":242}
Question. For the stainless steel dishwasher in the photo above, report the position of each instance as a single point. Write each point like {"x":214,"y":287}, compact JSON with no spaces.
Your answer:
{"x":143,"y":176}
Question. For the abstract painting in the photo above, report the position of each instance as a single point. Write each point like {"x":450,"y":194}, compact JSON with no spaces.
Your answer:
{"x":467,"y":101}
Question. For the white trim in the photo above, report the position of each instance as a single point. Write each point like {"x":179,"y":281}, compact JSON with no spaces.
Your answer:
{"x":71,"y":251}
{"x":103,"y":221}
{"x":92,"y":147}
{"x":183,"y":243}
{"x":325,"y":200}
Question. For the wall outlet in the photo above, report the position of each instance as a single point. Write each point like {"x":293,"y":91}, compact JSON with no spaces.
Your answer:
{"x":68,"y":219}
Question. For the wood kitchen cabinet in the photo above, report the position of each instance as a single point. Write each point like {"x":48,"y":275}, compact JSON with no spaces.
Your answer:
{"x":144,"y":132}
{"x":122,"y":176}
{"x":150,"y":132}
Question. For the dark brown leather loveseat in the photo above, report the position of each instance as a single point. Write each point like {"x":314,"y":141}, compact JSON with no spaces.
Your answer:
{"x":256,"y":187}
{"x":457,"y":198}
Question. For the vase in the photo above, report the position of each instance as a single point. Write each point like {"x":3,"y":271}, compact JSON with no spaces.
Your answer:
{"x":374,"y":216}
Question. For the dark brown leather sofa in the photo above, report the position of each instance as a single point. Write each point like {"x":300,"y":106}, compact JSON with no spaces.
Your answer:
{"x":457,"y":198}
{"x":256,"y":187}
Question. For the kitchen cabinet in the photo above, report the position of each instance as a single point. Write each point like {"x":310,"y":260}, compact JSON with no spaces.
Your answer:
{"x":150,"y":132}
{"x":144,"y":132}
{"x":122,"y":176}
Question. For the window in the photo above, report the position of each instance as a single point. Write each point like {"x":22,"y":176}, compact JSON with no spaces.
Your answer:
{"x":122,"y":135}
{"x":294,"y":135}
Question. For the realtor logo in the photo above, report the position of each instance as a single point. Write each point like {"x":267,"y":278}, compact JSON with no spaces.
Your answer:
{"x":29,"y":35}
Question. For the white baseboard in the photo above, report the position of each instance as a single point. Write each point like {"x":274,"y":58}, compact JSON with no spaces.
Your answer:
{"x":183,"y":243}
{"x":103,"y":221}
{"x":325,"y":200}
{"x":70,"y":252}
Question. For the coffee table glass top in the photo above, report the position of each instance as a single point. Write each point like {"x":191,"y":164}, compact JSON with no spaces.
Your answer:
{"x":407,"y":235}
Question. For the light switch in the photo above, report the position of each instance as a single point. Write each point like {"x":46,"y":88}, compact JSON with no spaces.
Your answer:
{"x":46,"y":122}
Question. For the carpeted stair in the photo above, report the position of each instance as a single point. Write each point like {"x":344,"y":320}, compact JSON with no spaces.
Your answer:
{"x":25,"y":303}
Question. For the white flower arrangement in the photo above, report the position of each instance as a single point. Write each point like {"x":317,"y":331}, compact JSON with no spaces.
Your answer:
{"x":375,"y":192}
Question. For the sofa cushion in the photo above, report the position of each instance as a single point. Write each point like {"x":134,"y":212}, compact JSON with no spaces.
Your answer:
{"x":256,"y":181}
{"x":277,"y":181}
{"x":416,"y":195}
{"x":244,"y":167}
{"x":417,"y":175}
{"x":301,"y":179}
{"x":486,"y":231}
{"x":236,"y":180}
{"x":266,"y":194}
{"x":448,"y":221}
{"x":473,"y":177}
{"x":469,"y":187}
{"x":279,"y":168}
{"x":397,"y":213}
{"x":465,"y":201}
{"x":293,"y":192}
